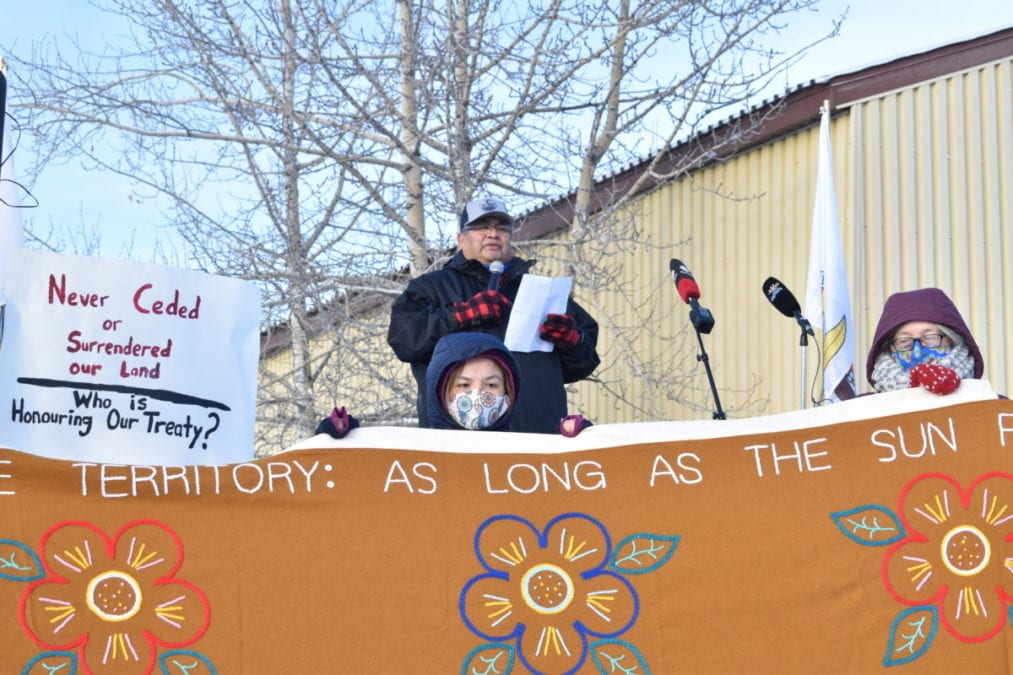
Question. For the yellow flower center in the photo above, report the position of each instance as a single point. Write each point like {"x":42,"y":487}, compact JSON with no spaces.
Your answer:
{"x":547,"y":589}
{"x":965,"y":550}
{"x":114,"y":596}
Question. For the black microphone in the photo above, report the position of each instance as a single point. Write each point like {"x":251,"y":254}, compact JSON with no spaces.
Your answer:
{"x":496,"y":267}
{"x":689,"y":291}
{"x":779,"y":296}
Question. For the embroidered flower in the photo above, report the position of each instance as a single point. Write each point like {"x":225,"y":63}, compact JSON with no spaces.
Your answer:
{"x":956,"y":554}
{"x":114,"y":600}
{"x":547,"y":591}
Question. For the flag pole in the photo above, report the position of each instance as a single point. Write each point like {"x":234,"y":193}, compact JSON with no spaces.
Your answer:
{"x":3,"y":106}
{"x":3,"y":160}
{"x":824,"y":111}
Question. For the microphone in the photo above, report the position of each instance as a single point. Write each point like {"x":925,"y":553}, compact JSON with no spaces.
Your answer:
{"x":700,"y":317}
{"x":686,"y":285}
{"x":779,"y":296}
{"x":496,"y":267}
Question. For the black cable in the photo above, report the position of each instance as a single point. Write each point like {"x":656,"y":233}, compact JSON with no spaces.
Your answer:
{"x":14,"y":146}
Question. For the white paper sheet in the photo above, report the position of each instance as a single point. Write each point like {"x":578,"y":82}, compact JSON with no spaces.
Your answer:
{"x":536,"y":297}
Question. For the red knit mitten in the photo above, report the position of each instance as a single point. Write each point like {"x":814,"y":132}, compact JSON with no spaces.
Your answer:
{"x":484,"y":307}
{"x":560,"y":329}
{"x":934,"y":377}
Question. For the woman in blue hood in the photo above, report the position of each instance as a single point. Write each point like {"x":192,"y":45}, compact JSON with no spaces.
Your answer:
{"x":471,"y":383}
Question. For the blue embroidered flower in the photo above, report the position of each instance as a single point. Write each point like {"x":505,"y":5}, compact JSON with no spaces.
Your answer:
{"x":548,"y":592}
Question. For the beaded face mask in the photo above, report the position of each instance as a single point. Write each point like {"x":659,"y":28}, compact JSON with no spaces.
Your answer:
{"x":478,"y":409}
{"x":919,"y":354}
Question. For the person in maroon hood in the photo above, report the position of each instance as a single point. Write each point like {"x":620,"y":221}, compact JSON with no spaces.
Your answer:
{"x":922,"y":340}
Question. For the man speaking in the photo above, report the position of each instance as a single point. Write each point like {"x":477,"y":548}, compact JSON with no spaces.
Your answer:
{"x":466,"y":296}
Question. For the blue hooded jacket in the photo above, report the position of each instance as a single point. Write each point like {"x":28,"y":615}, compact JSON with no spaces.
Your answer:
{"x":451,"y":350}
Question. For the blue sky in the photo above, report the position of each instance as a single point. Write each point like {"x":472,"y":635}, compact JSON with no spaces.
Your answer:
{"x":69,"y":196}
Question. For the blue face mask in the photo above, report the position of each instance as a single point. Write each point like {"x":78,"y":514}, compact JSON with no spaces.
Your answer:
{"x":919,"y":354}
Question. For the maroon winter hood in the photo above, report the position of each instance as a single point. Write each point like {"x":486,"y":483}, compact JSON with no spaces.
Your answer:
{"x":924,"y":304}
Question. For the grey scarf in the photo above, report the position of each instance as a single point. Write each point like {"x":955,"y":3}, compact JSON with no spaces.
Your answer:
{"x":887,"y":374}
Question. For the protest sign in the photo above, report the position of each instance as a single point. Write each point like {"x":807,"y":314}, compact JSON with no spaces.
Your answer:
{"x":117,"y":361}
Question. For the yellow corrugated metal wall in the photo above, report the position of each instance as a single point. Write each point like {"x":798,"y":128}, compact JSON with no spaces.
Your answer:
{"x":733,"y":224}
{"x":930,"y":190}
{"x":923,"y":179}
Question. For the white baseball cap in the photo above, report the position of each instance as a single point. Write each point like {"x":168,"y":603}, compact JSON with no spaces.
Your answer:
{"x":477,"y":209}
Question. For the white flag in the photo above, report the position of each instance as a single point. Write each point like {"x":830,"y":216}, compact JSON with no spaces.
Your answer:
{"x":827,"y":301}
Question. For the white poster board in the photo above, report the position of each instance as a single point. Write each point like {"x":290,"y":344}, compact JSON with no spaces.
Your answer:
{"x":121,"y":362}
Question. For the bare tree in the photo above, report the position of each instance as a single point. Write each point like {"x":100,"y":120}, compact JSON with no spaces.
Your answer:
{"x":322,"y":149}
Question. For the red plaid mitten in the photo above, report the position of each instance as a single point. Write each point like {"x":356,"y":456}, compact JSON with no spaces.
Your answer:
{"x":560,"y":329}
{"x":934,"y":377}
{"x":484,"y":307}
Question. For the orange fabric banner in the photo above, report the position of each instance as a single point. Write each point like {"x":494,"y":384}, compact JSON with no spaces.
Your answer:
{"x":795,"y":544}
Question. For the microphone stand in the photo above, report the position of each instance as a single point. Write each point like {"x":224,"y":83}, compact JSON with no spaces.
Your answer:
{"x":803,"y":341}
{"x":703,"y":322}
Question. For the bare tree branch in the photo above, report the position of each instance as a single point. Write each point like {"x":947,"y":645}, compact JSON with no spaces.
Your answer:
{"x":323,"y":148}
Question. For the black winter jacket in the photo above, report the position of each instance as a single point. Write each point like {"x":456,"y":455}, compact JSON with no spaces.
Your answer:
{"x":423,"y":314}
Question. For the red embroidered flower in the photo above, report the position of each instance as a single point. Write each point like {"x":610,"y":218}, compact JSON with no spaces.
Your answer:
{"x":114,"y":600}
{"x":956,"y":554}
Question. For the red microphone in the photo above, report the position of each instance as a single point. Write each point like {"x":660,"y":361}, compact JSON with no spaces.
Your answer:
{"x":685,"y":284}
{"x":701,"y":317}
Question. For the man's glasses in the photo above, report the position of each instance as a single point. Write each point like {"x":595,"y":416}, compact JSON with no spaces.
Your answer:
{"x":928,"y":341}
{"x":485,"y":226}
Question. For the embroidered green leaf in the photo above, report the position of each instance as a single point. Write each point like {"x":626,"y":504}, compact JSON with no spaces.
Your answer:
{"x":869,"y":525}
{"x":18,"y":562}
{"x":186,"y":662}
{"x":618,"y":657}
{"x":52,"y":663}
{"x":495,"y":658}
{"x":911,"y":635}
{"x":643,"y":553}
